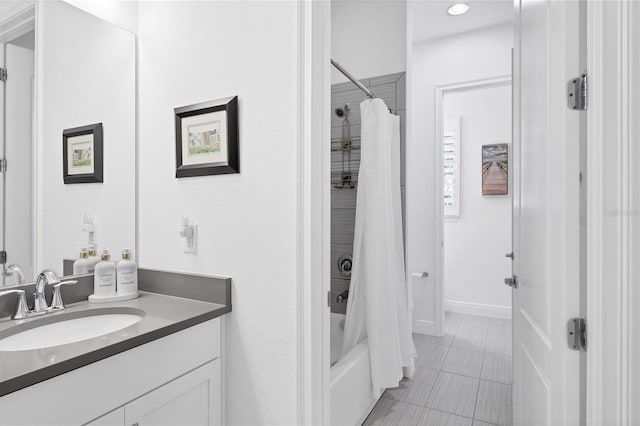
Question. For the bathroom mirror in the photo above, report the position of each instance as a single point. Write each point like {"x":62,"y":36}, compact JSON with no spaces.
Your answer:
{"x":71,"y":70}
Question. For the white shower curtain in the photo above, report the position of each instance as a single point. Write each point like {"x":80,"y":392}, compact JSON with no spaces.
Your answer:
{"x":377,"y":306}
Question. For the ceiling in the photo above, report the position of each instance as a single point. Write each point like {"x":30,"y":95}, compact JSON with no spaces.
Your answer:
{"x":430,"y":18}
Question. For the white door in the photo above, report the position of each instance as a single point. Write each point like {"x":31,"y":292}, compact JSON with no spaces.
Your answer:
{"x":2,"y":144}
{"x":546,"y":388}
{"x":18,"y":211}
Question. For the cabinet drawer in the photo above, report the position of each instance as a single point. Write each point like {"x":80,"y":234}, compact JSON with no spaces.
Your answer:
{"x":193,"y":399}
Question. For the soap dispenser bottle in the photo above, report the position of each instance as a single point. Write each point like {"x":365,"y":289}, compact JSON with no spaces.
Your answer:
{"x":82,"y":265}
{"x":104,"y":279}
{"x":93,"y":257}
{"x":127,"y":275}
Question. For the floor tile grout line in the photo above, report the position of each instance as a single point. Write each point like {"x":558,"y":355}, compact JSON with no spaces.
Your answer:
{"x":432,"y":388}
{"x":426,"y":407}
{"x":476,"y":403}
{"x":489,"y":423}
{"x":432,"y":409}
{"x":473,"y":377}
{"x":446,"y":412}
{"x":475,"y":406}
{"x":486,"y":337}
{"x":482,"y":366}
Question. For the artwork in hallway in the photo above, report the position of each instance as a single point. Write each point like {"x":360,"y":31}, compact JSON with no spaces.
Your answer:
{"x":495,"y":169}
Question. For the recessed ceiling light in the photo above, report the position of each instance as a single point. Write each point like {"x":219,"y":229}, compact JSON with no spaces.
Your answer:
{"x":458,"y":9}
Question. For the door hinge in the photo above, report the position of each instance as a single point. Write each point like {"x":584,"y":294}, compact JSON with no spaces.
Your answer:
{"x":3,"y":166}
{"x":577,"y":334}
{"x":3,"y":74}
{"x":512,"y":281}
{"x":3,"y":256}
{"x":329,"y":298}
{"x":578,"y":93}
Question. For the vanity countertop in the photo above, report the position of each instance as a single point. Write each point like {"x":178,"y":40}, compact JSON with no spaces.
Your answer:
{"x":164,"y":315}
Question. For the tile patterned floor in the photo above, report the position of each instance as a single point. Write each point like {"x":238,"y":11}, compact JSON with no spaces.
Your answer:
{"x":462,"y":378}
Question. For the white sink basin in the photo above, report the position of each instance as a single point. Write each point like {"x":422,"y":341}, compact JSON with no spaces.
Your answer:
{"x":65,"y":331}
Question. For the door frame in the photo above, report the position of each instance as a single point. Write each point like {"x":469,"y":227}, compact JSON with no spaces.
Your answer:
{"x":313,"y":212}
{"x":22,"y":19}
{"x":613,"y":216}
{"x":440,"y":92}
{"x":611,"y":370}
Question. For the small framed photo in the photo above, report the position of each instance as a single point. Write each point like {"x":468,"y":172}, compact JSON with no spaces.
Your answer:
{"x":82,"y":154}
{"x":495,"y":169}
{"x":207,"y":138}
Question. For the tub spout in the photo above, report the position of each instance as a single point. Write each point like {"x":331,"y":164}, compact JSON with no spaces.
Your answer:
{"x":342,"y":297}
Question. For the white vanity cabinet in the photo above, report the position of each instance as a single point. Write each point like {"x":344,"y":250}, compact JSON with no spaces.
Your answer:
{"x":174,"y":380}
{"x":193,"y":399}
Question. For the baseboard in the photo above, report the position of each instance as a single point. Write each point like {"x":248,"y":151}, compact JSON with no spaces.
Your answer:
{"x":424,"y":327}
{"x":368,"y":412}
{"x":480,"y":309}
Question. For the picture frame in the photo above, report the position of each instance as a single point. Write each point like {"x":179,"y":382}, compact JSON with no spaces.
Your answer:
{"x":207,"y":138}
{"x":82,"y":154}
{"x":495,"y":169}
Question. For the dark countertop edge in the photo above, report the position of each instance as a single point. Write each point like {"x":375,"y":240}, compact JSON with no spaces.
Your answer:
{"x":37,"y":376}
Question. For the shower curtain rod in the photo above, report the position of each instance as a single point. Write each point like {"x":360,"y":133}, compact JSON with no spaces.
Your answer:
{"x":361,"y":86}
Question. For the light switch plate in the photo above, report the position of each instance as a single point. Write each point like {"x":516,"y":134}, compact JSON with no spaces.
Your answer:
{"x":191,"y":244}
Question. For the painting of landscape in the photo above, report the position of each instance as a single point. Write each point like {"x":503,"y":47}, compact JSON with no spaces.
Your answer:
{"x":495,"y":169}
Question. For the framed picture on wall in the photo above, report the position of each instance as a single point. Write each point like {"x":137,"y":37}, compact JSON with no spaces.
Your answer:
{"x":495,"y":169}
{"x":82,"y":154}
{"x":207,"y":138}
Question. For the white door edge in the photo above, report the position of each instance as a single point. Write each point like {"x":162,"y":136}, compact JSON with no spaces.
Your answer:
{"x":313,"y":212}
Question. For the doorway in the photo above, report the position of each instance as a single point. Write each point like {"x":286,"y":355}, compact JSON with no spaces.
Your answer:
{"x":17,"y":60}
{"x":543,"y":301}
{"x":475,"y":130}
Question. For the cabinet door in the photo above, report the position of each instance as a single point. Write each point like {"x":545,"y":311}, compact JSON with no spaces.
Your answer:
{"x":192,"y":399}
{"x":114,"y":418}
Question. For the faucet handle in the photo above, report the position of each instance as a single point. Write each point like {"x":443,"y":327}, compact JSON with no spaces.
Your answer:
{"x":56,"y":303}
{"x":22,"y":309}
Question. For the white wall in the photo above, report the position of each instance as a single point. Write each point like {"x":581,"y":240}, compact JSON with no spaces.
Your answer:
{"x":192,"y":52}
{"x":10,"y":8}
{"x":123,"y":13}
{"x":475,"y":243}
{"x":469,"y":56}
{"x":118,"y":12}
{"x":368,"y":38}
{"x":74,"y":91}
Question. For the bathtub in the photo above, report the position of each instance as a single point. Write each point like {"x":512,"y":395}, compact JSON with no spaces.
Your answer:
{"x":351,"y":396}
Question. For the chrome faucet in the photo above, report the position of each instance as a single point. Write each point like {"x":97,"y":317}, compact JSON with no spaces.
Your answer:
{"x":40,"y":307}
{"x":39,"y":299}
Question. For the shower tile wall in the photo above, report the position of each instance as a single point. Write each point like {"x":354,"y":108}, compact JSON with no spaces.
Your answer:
{"x":390,"y":88}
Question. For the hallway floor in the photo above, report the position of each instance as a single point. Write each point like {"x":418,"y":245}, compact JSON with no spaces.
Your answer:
{"x":462,"y":378}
